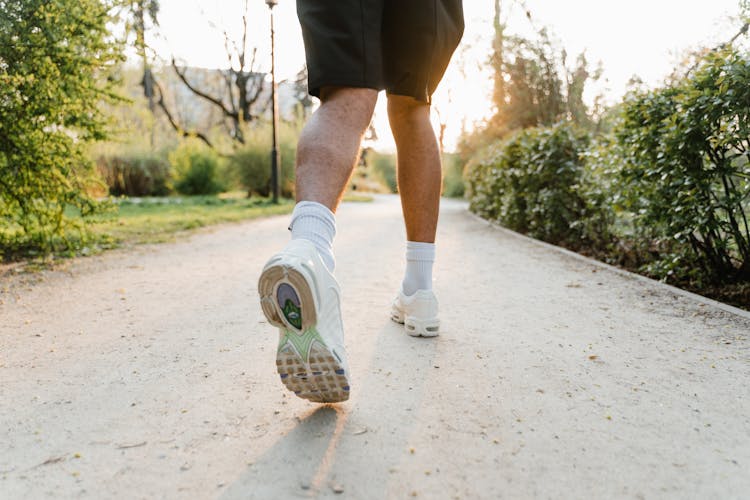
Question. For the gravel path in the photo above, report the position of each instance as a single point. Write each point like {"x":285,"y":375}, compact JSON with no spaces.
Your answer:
{"x":149,"y":373}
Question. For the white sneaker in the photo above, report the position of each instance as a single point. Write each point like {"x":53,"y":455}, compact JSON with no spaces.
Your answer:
{"x":300,"y":296}
{"x":418,"y":313}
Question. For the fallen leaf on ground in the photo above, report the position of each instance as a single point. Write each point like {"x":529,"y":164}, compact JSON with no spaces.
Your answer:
{"x":53,"y":460}
{"x":134,"y":445}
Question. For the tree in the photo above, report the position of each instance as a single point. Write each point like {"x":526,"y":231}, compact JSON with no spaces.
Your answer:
{"x":243,"y":88}
{"x":497,"y":60}
{"x":142,"y":11}
{"x":237,"y":95}
{"x":55,"y":56}
{"x":138,"y":17}
{"x":535,"y":89}
{"x":533,"y":85}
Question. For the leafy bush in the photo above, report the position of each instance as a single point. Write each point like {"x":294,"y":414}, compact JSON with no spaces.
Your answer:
{"x":685,"y":176}
{"x":536,"y":183}
{"x":195,"y":169}
{"x":667,"y":191}
{"x":135,"y":175}
{"x":453,"y":176}
{"x":54,"y":59}
{"x":251,"y":164}
{"x":383,"y":167}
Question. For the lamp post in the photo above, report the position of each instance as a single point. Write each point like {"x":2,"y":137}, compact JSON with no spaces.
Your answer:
{"x":275,"y":112}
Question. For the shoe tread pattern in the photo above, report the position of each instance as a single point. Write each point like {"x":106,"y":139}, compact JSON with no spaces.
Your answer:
{"x":321,"y":379}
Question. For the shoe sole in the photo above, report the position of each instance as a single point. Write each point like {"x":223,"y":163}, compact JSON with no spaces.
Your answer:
{"x":416,"y":327}
{"x":306,"y":365}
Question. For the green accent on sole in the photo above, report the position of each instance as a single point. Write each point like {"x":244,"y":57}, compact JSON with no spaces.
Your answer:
{"x":293,"y":314}
{"x":301,"y":341}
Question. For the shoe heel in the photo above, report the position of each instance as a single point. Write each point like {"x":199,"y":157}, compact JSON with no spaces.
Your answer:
{"x":422,"y":328}
{"x":269,"y":285}
{"x":266,"y":289}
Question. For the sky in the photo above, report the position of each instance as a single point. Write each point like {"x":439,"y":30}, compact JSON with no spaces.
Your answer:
{"x":637,"y":37}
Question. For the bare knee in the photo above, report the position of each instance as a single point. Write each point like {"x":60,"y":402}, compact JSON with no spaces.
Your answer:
{"x":354,"y":105}
{"x":406,"y":111}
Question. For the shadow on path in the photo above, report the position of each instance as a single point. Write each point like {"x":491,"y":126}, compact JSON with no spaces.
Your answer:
{"x":354,"y":447}
{"x":297,"y":464}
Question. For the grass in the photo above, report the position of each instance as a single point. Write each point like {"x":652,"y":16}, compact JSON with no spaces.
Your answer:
{"x":155,"y":220}
{"x":134,"y":221}
{"x":357,"y":197}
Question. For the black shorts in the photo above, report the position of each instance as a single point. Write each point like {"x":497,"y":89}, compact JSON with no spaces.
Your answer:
{"x":402,"y":46}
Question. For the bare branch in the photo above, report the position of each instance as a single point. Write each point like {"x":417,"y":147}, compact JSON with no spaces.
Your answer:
{"x":226,"y":47}
{"x":200,"y":93}
{"x":237,"y":52}
{"x":252,"y":61}
{"x":228,"y":80}
{"x":255,"y":91}
{"x":244,"y":39}
{"x":181,"y":131}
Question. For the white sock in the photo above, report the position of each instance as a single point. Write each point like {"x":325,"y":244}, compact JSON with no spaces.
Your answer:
{"x":315,"y":223}
{"x":419,"y":259}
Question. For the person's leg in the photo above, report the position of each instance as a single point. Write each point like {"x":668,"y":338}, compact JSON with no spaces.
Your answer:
{"x":419,"y":182}
{"x":326,"y":154}
{"x":329,"y":144}
{"x":419,"y":173}
{"x":419,"y":38}
{"x":298,"y":292}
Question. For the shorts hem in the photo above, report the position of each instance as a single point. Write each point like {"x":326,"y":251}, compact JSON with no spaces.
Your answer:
{"x":419,"y":96}
{"x":314,"y":87}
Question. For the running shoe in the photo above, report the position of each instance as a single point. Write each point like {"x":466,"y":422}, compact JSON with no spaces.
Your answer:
{"x":418,"y":313}
{"x":302,"y":298}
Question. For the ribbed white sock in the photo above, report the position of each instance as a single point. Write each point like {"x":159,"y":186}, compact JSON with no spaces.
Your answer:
{"x":314,"y":222}
{"x":419,"y":259}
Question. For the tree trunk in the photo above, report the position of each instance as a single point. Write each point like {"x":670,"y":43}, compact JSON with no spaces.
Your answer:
{"x":498,"y":60}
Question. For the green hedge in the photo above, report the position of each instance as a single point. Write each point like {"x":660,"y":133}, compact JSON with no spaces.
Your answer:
{"x":139,"y":174}
{"x":682,"y":156}
{"x":251,"y":164}
{"x":383,"y":167}
{"x":536,"y":183}
{"x":667,"y":191}
{"x":453,"y":176}
{"x":195,"y":169}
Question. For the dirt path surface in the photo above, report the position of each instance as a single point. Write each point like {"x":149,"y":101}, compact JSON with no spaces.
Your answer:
{"x":150,"y":374}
